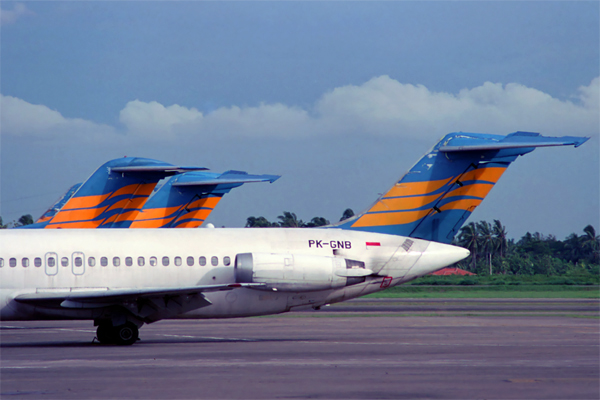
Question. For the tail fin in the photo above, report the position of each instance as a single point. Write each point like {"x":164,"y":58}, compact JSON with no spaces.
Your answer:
{"x":112,"y":197}
{"x":51,"y":212}
{"x":435,"y":198}
{"x":186,"y":200}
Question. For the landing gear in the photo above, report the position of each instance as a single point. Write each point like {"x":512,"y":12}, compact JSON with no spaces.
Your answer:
{"x":125,"y":334}
{"x":104,"y":333}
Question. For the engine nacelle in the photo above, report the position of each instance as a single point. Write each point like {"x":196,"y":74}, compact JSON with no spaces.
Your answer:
{"x":297,"y":273}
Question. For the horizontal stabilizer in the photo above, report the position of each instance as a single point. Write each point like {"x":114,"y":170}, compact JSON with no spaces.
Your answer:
{"x":513,"y":141}
{"x":160,"y":168}
{"x":229,"y":177}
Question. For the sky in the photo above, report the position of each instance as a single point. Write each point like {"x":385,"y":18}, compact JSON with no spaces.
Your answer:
{"x":340,"y":98}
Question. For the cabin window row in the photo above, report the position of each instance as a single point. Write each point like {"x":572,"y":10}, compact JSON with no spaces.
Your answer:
{"x":78,"y":261}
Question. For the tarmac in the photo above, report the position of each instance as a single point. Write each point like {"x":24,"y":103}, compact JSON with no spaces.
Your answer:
{"x":365,"y":349}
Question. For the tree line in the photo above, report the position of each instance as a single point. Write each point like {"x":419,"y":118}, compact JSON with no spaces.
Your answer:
{"x":290,"y":220}
{"x":26,"y":219}
{"x":492,"y":253}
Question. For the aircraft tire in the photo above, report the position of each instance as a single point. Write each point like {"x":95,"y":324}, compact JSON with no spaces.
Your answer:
{"x":126,"y":334}
{"x":104,"y":334}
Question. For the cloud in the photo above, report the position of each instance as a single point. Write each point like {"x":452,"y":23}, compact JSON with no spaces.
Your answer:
{"x":386,"y":106}
{"x":8,"y":17}
{"x":380,"y":106}
{"x":20,"y":118}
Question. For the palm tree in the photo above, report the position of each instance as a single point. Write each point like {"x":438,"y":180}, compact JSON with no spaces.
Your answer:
{"x":500,"y":237}
{"x":348,"y":213}
{"x":487,"y":240}
{"x":469,"y":238}
{"x":316,"y":221}
{"x":289,"y":220}
{"x":590,"y":244}
{"x":573,"y":247}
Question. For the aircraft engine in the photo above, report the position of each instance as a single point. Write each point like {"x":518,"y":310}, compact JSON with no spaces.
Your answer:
{"x":296,"y":273}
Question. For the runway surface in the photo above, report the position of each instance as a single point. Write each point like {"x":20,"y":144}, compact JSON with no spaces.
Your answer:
{"x":370,"y":353}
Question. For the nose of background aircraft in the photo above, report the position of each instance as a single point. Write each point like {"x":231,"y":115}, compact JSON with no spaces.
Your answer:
{"x":437,"y":256}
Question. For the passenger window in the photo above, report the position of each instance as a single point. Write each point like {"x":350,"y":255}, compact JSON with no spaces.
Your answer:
{"x":37,"y":262}
{"x":190,"y":261}
{"x":1,"y":262}
{"x":226,"y":260}
{"x":64,"y":262}
{"x":141,"y":261}
{"x":214,"y":261}
{"x":104,"y":261}
{"x":203,"y":261}
{"x":165,"y":261}
{"x":153,"y":261}
{"x":51,"y":261}
{"x":128,"y":261}
{"x":12,"y":262}
{"x":78,"y":261}
{"x":91,"y":261}
{"x":25,"y":262}
{"x":116,"y":261}
{"x":177,"y":261}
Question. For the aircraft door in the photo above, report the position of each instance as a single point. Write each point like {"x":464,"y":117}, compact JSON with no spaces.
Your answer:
{"x":78,"y":263}
{"x":51,"y":264}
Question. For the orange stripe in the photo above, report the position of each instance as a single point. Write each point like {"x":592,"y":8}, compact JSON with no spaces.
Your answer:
{"x":404,"y":203}
{"x":127,"y":216}
{"x":155,"y":213}
{"x":416,"y":188}
{"x":84,"y":202}
{"x":43,"y":219}
{"x":464,"y":204}
{"x":153,"y":223}
{"x":136,"y":188}
{"x":190,"y":224}
{"x":476,"y":190}
{"x":137,"y":202}
{"x":490,"y":174}
{"x":392,"y":218}
{"x":199,"y":214}
{"x":75,"y":225}
{"x":77,"y":215}
{"x":110,"y":219}
{"x":209,"y":202}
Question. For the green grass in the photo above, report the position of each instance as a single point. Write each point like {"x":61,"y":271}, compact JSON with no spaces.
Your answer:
{"x":491,"y":291}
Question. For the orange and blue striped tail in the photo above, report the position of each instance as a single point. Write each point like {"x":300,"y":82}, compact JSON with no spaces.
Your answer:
{"x":186,"y":200}
{"x":111,"y":198}
{"x":434,"y":199}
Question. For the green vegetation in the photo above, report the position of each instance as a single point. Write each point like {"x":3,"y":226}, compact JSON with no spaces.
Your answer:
{"x":491,"y":292}
{"x":534,"y":254}
{"x":290,"y":220}
{"x":26,"y":219}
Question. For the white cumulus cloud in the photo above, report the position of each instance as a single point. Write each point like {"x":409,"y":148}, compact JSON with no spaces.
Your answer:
{"x":10,"y":16}
{"x":380,"y":106}
{"x":20,"y":118}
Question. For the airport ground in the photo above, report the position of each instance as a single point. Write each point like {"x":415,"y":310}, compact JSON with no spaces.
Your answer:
{"x":361,"y":349}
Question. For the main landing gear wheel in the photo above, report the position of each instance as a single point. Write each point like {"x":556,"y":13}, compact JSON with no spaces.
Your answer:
{"x":104,"y":333}
{"x":125,"y":334}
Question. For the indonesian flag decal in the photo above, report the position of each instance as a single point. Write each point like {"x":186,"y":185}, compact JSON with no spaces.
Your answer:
{"x":373,"y":244}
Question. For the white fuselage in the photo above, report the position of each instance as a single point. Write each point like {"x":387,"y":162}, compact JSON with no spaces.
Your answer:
{"x":80,"y":254}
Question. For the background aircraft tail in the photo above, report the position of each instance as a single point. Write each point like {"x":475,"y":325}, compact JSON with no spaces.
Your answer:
{"x":436,"y":196}
{"x":186,"y":200}
{"x":111,"y":197}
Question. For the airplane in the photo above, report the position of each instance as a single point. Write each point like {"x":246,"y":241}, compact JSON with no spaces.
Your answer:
{"x":125,"y":278}
{"x":119,"y":194}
